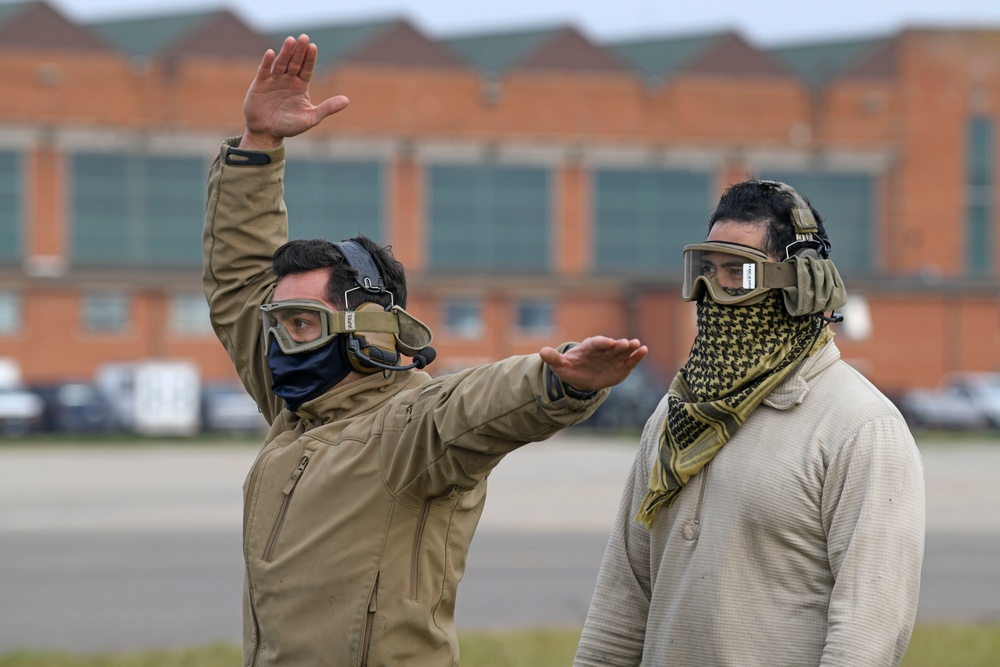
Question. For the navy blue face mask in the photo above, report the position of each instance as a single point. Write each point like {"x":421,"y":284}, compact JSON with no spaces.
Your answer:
{"x":301,"y":377}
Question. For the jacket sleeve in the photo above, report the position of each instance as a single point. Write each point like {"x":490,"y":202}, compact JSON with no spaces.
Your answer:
{"x":874,"y":515}
{"x":245,"y":222}
{"x":615,"y":630}
{"x":458,"y":427}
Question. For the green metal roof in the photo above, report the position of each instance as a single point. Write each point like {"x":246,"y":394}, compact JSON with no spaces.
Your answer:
{"x":498,"y":52}
{"x":660,"y":57}
{"x":151,"y":35}
{"x":336,"y":42}
{"x":10,"y":9}
{"x":819,"y":62}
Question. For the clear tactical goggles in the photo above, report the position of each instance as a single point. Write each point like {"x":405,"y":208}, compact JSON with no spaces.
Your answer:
{"x":299,"y":325}
{"x":302,"y":325}
{"x":732,"y":273}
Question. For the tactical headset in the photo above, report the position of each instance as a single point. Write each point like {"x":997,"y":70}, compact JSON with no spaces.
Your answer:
{"x":818,"y":287}
{"x":807,"y":242}
{"x":371,"y":351}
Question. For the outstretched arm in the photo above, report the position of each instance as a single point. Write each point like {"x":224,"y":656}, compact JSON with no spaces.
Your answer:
{"x":596,"y":363}
{"x":277,"y":104}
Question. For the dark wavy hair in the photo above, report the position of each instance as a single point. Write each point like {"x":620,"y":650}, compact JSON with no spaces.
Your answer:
{"x":307,"y":255}
{"x":754,"y":201}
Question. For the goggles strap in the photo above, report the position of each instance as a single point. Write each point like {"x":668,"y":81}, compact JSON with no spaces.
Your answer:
{"x":778,"y":275}
{"x":351,"y":321}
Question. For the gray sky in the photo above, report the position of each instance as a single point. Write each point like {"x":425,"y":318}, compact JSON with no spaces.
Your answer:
{"x":763,"y":22}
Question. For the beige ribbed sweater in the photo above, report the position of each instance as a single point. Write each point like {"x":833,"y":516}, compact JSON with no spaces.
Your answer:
{"x":799,"y":545}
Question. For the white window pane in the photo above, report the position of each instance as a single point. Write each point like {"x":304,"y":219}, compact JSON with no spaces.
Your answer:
{"x":463,"y":318}
{"x":189,"y":315}
{"x":10,"y":312}
{"x":105,"y":312}
{"x":534,"y":316}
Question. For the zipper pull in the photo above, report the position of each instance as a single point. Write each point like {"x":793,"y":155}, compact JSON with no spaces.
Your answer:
{"x":294,"y":479}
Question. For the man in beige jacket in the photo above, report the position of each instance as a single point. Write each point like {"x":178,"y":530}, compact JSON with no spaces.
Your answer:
{"x":361,"y":506}
{"x":774,"y":515}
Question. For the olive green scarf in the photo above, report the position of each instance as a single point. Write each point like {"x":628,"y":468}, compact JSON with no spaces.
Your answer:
{"x":741,"y":353}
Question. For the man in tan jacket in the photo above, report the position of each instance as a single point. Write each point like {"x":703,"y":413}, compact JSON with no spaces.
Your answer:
{"x":361,"y":506}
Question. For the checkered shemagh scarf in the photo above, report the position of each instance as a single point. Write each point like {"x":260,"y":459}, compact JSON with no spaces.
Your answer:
{"x":741,"y":353}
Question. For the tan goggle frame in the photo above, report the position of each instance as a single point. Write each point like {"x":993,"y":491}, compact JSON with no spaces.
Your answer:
{"x":753,"y":275}
{"x":411,"y":335}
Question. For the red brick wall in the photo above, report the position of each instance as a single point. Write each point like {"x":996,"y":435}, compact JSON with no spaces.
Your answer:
{"x":916,"y":120}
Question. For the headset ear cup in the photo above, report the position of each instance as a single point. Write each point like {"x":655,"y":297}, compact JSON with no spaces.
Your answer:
{"x":359,"y":344}
{"x":353,"y":345}
{"x":380,"y":347}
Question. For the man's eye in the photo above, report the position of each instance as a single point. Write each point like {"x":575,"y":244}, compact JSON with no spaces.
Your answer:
{"x":736,"y":274}
{"x":707,"y":270}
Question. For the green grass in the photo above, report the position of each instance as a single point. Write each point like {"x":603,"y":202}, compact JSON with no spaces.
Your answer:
{"x":955,"y":646}
{"x":931,"y":646}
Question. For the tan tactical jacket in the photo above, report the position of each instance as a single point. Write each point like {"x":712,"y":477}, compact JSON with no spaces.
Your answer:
{"x":360,"y":508}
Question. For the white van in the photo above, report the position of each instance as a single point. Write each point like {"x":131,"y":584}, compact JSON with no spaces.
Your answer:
{"x":153,"y":397}
{"x":20,"y":409}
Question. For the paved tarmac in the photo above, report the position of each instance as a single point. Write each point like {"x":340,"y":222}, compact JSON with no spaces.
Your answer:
{"x":572,"y":483}
{"x":137,"y":546}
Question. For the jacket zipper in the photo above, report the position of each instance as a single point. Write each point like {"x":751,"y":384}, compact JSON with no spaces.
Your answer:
{"x":369,"y":623}
{"x":418,"y":536}
{"x":251,"y":490}
{"x":279,"y":522}
{"x":701,"y":500}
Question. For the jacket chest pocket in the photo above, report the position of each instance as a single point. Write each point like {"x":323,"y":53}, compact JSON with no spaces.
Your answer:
{"x":286,"y":498}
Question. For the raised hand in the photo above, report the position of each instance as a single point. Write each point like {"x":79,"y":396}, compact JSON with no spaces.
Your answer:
{"x":277,"y":105}
{"x":596,"y":363}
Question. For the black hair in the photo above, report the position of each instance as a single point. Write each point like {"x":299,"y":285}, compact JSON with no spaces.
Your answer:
{"x":754,"y":201}
{"x":307,"y":255}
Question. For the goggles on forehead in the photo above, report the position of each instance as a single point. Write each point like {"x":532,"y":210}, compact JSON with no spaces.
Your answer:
{"x":302,"y":325}
{"x":732,"y":273}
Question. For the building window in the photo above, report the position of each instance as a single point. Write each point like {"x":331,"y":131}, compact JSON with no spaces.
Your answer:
{"x":847,"y":204}
{"x":980,"y":173}
{"x":10,"y":312}
{"x":137,"y":210}
{"x":105,"y":312}
{"x":463,"y":318}
{"x":534,"y":317}
{"x":489,"y":218}
{"x":334,"y":200}
{"x":189,"y":315}
{"x":10,"y":206}
{"x":643,"y":218}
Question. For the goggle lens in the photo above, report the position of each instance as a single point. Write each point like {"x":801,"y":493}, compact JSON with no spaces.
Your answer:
{"x":730,"y":274}
{"x":298,"y":326}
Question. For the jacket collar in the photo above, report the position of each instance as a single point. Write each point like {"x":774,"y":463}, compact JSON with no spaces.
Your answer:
{"x":793,"y":389}
{"x":354,"y":398}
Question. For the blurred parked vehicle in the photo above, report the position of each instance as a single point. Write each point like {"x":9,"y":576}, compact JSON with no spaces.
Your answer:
{"x":630,"y":404}
{"x":230,"y":409}
{"x":982,"y":390}
{"x":74,"y":407}
{"x":949,"y":406}
{"x":153,"y":397}
{"x":20,"y":409}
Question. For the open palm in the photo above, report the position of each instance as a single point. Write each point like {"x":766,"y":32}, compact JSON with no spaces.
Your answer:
{"x":277,"y":105}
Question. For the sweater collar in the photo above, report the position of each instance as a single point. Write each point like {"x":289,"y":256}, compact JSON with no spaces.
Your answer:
{"x":793,"y":390}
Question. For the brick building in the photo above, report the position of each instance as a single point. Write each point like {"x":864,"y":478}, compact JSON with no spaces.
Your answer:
{"x":539,"y":186}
